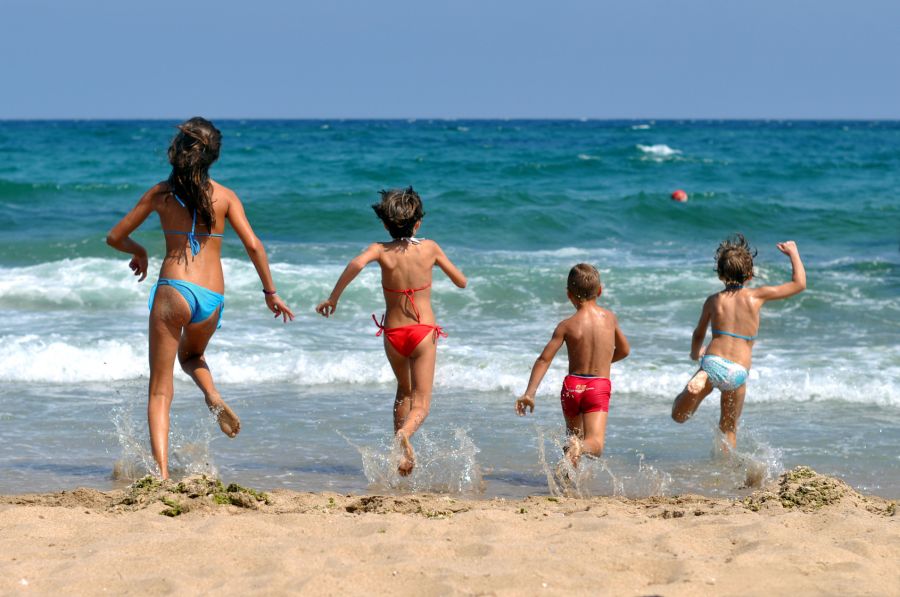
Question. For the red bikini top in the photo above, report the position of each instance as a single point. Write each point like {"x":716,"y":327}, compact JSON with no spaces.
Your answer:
{"x":409,"y":292}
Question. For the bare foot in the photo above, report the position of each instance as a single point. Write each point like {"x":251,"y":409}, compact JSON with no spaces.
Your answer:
{"x":408,"y":458}
{"x":698,"y":382}
{"x":229,"y":422}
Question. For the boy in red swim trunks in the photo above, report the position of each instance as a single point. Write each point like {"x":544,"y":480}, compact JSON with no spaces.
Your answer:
{"x":409,"y":328}
{"x":594,"y":341}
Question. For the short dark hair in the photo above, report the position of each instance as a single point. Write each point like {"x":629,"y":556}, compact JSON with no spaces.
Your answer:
{"x":734,"y":260}
{"x":584,"y":282}
{"x":399,"y":209}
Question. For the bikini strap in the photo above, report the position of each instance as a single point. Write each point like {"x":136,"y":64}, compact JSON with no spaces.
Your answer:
{"x":741,"y":336}
{"x":409,"y":292}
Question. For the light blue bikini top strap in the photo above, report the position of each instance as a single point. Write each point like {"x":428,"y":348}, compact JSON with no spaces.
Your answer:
{"x":742,"y":337}
{"x":192,"y":235}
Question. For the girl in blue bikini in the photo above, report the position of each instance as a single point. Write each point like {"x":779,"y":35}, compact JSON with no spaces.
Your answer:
{"x":187,"y":301}
{"x":734,"y":315}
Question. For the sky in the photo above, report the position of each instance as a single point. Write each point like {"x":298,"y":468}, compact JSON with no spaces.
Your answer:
{"x":450,"y":59}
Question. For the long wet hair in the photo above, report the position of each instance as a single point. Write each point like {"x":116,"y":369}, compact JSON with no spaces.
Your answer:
{"x":734,"y":260}
{"x":191,"y":153}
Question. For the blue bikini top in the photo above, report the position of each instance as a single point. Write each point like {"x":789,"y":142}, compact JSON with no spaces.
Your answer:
{"x":723,"y":333}
{"x":192,"y":236}
{"x":747,"y":338}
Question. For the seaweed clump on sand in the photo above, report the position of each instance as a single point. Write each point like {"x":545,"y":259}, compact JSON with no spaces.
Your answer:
{"x":193,"y":493}
{"x":804,"y":489}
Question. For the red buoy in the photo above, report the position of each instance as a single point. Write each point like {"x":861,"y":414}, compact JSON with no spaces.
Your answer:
{"x":679,"y":196}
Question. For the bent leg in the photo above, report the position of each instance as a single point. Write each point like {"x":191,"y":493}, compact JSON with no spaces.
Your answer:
{"x":594,"y":432}
{"x":691,"y":396}
{"x":732,"y":404}
{"x":170,"y":313}
{"x":191,"y":352}
{"x":587,"y":434}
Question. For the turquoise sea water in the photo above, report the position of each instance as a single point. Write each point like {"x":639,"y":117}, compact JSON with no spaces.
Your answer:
{"x":515,"y":204}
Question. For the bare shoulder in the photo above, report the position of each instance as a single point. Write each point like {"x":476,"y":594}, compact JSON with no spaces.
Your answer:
{"x":220,"y":191}
{"x":157,"y":193}
{"x":609,"y":313}
{"x":567,"y":325}
{"x":432,"y":246}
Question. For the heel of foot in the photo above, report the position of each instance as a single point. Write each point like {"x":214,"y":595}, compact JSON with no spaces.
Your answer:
{"x":698,"y":382}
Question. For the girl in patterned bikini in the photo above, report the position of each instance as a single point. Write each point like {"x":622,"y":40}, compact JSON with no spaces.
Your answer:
{"x":734,"y":315}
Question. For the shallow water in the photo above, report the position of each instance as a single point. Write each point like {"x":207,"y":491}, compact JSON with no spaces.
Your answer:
{"x":515,"y":204}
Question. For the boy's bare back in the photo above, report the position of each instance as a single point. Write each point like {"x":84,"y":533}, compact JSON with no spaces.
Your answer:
{"x":590,"y":337}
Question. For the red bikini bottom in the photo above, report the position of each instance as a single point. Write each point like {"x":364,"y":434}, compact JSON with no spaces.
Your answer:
{"x":406,"y":338}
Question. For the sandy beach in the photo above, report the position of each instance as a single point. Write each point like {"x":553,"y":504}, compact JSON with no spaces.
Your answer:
{"x":805,"y":535}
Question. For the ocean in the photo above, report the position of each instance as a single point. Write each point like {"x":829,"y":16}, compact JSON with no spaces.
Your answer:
{"x":515,"y":204}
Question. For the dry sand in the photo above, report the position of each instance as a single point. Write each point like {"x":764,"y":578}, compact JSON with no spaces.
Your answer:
{"x":807,"y":535}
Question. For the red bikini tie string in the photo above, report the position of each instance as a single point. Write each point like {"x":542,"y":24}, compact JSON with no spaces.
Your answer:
{"x":380,"y":325}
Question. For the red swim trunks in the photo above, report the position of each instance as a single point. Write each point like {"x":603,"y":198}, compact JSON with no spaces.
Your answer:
{"x":583,"y":394}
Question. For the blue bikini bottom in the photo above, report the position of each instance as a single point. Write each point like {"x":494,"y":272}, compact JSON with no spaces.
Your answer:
{"x":723,"y":374}
{"x":202,"y":301}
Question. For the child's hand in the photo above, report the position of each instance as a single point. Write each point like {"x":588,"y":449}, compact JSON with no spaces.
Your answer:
{"x":138,"y":265}
{"x":699,"y":355}
{"x":326,"y":308}
{"x":279,"y":307}
{"x":524,"y":402}
{"x":788,"y":247}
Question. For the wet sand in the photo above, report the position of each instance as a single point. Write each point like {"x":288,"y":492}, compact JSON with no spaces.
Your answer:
{"x":804,"y":535}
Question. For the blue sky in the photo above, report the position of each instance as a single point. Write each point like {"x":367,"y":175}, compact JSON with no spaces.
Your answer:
{"x":457,"y":59}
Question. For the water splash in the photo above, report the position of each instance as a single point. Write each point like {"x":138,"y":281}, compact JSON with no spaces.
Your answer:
{"x":750,"y":466}
{"x":616,"y":475}
{"x":189,"y":447}
{"x":443,"y":464}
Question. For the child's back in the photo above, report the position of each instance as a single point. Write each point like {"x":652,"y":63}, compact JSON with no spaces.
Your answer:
{"x":733,"y":313}
{"x":594,"y":341}
{"x":408,"y":322}
{"x":590,"y":337}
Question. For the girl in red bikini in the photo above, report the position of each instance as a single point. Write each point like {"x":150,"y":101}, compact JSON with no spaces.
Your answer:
{"x":408,"y":325}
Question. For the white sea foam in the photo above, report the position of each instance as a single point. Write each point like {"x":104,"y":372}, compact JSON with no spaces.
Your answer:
{"x":640,"y":127}
{"x":659,"y":150}
{"x":588,"y":157}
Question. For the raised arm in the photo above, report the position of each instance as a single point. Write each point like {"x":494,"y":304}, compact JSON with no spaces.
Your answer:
{"x":700,"y":332}
{"x":257,"y":253}
{"x":447,"y":266}
{"x":798,"y":279}
{"x":622,"y":349}
{"x":541,"y":364}
{"x":356,"y":265}
{"x":119,"y":237}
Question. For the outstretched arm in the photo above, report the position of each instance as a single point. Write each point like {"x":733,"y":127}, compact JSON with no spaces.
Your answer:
{"x":700,"y":332}
{"x":798,"y":279}
{"x":119,"y":237}
{"x":540,"y":369}
{"x":447,"y":266}
{"x":257,"y":253}
{"x":356,"y":265}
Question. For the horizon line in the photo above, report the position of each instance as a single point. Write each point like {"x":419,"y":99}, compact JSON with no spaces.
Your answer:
{"x":411,"y":119}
